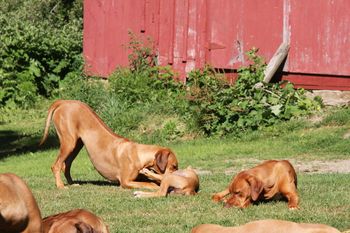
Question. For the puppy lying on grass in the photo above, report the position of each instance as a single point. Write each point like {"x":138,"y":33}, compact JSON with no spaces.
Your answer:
{"x":266,"y":226}
{"x":263,"y":182}
{"x":185,"y":182}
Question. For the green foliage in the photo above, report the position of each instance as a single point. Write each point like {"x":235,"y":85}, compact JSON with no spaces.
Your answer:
{"x":223,"y":108}
{"x":40,"y":44}
{"x":142,"y":55}
{"x":340,"y":117}
{"x":144,"y":104}
{"x":207,"y":103}
{"x":40,"y":55}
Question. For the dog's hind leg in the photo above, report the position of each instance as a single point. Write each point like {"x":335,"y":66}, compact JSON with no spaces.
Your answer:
{"x":70,"y":159}
{"x":66,"y":148}
{"x":290,"y":192}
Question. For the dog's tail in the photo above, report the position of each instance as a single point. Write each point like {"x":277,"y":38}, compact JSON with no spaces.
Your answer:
{"x":48,"y":121}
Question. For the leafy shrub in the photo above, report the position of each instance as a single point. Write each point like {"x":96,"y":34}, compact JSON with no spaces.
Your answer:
{"x":40,"y":44}
{"x":223,"y":108}
{"x":144,"y":103}
{"x":147,"y":104}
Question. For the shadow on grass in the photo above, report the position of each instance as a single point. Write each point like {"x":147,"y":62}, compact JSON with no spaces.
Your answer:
{"x":14,"y":143}
{"x":140,"y":178}
{"x":95,"y":182}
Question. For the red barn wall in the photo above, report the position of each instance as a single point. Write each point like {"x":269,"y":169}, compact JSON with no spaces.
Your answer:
{"x":189,"y":34}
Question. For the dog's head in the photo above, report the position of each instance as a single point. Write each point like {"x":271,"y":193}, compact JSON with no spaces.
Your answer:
{"x":244,"y":189}
{"x":165,"y":161}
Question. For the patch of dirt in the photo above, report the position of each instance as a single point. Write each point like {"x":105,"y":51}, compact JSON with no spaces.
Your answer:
{"x":336,"y":166}
{"x":315,"y":166}
{"x":203,"y":172}
{"x":332,"y":98}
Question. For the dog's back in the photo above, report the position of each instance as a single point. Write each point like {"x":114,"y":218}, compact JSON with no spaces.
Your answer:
{"x":211,"y":228}
{"x":19,"y":211}
{"x":190,"y":184}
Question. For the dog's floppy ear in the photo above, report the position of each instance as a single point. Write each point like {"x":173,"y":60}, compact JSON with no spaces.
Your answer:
{"x":84,"y":228}
{"x":256,"y":187}
{"x":161,"y":158}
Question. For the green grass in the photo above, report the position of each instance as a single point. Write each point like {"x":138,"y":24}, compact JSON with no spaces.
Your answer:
{"x":325,"y":198}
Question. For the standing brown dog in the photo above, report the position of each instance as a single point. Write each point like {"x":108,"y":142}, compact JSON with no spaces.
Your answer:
{"x":19,"y":211}
{"x":266,"y":226}
{"x":262,"y":182}
{"x":185,"y":182}
{"x":114,"y":157}
{"x":74,"y":221}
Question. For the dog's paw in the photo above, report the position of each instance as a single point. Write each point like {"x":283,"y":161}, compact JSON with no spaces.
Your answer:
{"x":145,"y":171}
{"x":293,"y":208}
{"x":138,"y":194}
{"x":216,"y":198}
{"x":62,"y":187}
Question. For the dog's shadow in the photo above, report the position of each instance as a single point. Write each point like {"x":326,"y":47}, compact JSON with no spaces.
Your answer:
{"x":94,"y":182}
{"x":140,"y":178}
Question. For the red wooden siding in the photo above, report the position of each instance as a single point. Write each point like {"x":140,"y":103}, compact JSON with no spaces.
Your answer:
{"x":189,"y":34}
{"x":320,"y":37}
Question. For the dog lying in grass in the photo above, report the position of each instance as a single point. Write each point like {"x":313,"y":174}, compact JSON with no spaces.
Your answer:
{"x":262,"y":182}
{"x":185,"y":182}
{"x":19,"y":213}
{"x":266,"y":226}
{"x":114,"y":157}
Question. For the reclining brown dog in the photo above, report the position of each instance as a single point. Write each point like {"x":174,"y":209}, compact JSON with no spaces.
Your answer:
{"x":19,"y":211}
{"x":185,"y":182}
{"x":78,"y":220}
{"x":262,"y":182}
{"x":267,"y":226}
{"x":114,"y":157}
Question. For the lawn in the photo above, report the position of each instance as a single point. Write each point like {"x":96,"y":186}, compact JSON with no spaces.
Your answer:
{"x":324,"y":194}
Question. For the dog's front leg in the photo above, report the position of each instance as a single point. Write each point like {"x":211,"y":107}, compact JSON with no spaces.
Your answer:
{"x":162,"y":192}
{"x":127,"y":180}
{"x":219,"y":196}
{"x":136,"y":184}
{"x":152,"y":175}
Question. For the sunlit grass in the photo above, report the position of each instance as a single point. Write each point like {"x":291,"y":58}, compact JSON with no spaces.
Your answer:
{"x":324,"y":197}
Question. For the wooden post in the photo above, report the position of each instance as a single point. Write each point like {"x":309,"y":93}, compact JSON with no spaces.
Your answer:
{"x":276,"y":61}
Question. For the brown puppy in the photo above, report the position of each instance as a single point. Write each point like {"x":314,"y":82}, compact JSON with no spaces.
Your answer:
{"x":19,"y":211}
{"x":267,"y":226}
{"x":185,"y":182}
{"x":74,"y":221}
{"x":114,"y":157}
{"x":262,"y":182}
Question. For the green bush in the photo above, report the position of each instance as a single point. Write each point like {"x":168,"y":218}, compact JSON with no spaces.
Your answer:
{"x":144,"y":103}
{"x":222,"y":108}
{"x":147,"y":104}
{"x":40,"y":45}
